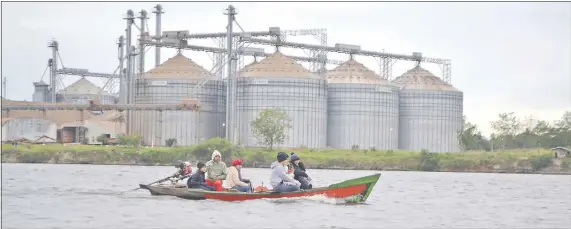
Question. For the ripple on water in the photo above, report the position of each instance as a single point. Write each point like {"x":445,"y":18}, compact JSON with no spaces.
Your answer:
{"x":89,"y":196}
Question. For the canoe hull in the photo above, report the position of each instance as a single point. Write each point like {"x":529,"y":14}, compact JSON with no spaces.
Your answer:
{"x":355,"y":190}
{"x":339,"y":193}
{"x":181,"y":192}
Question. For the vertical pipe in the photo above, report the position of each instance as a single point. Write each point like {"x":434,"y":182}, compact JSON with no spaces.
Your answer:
{"x":230,"y":84}
{"x":53,"y":74}
{"x":129,"y":73}
{"x":141,"y":44}
{"x":122,"y":81}
{"x":158,"y":12}
{"x":129,"y":69}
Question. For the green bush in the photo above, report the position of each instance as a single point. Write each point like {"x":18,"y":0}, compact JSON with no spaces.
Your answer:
{"x":540,"y":162}
{"x":429,"y":161}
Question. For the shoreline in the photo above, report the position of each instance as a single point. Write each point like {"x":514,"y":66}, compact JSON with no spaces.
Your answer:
{"x":518,"y":161}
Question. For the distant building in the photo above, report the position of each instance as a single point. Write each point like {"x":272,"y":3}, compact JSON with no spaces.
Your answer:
{"x":88,"y":131}
{"x":27,"y":128}
{"x":561,"y":152}
{"x":82,"y":91}
{"x":41,"y":92}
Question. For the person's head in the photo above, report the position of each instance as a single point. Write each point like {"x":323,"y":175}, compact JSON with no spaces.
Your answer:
{"x":216,"y":156}
{"x":295,"y":159}
{"x":237,"y":163}
{"x":179,"y":165}
{"x":282,"y":158}
{"x":201,"y":167}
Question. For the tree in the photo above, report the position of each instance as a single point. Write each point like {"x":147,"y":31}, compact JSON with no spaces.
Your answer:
{"x":507,"y":125}
{"x":471,"y":138}
{"x":103,"y":139}
{"x":270,"y":126}
{"x":506,"y":128}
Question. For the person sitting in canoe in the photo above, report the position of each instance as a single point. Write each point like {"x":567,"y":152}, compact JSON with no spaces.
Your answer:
{"x":183,"y":169}
{"x":279,"y":179}
{"x":217,"y":171}
{"x":299,"y":172}
{"x":234,"y":178}
{"x":197,"y":180}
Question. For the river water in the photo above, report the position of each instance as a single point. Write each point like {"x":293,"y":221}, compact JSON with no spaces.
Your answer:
{"x":89,"y":196}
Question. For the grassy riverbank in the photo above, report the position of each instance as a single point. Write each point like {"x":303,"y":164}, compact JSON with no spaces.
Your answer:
{"x":513,"y":161}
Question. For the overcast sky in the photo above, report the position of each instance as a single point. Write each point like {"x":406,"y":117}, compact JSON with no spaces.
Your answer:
{"x":505,"y":56}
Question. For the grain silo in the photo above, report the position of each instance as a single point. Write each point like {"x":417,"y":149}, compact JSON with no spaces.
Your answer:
{"x":431,"y":112}
{"x":175,"y":80}
{"x":278,"y":81}
{"x":363,"y":108}
{"x":81,"y":91}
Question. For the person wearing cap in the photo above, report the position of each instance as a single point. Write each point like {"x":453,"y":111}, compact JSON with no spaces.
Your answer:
{"x":299,"y":172}
{"x":279,"y":179}
{"x":197,"y":180}
{"x":234,"y":178}
{"x":217,"y":171}
{"x":183,"y":169}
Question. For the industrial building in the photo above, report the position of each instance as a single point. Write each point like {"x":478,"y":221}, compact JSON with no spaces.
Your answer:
{"x":79,"y":92}
{"x":280,"y":82}
{"x":30,"y":129}
{"x":363,"y":108}
{"x":172,"y":82}
{"x":346,"y":107}
{"x":431,"y":112}
{"x":31,"y":124}
{"x":87,"y":132}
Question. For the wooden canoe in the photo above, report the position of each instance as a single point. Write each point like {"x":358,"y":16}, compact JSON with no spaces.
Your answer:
{"x":355,"y":190}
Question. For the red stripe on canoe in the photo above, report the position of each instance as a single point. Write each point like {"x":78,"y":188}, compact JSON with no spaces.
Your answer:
{"x":332,"y":193}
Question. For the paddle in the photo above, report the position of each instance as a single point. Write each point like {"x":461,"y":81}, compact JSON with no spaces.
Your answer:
{"x":159,"y":181}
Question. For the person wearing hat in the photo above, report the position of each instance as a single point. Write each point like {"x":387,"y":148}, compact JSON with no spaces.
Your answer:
{"x":197,"y":180}
{"x":279,"y":179}
{"x":234,"y":178}
{"x":299,"y":172}
{"x":217,"y":171}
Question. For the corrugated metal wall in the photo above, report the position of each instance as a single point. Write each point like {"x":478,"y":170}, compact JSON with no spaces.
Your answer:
{"x":30,"y":128}
{"x":304,"y":100}
{"x":430,"y":120}
{"x":188,"y":127}
{"x":365,"y":115}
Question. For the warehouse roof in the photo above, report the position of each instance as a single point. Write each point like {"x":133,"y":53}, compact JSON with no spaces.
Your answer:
{"x":81,"y":87}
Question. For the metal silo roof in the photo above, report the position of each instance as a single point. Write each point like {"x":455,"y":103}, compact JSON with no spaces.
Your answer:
{"x":81,"y":87}
{"x":277,"y":65}
{"x":354,"y":72}
{"x":178,"y":67}
{"x":420,"y":79}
